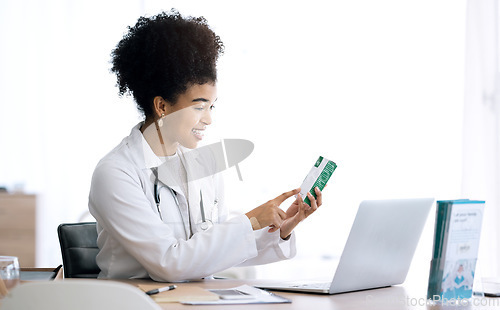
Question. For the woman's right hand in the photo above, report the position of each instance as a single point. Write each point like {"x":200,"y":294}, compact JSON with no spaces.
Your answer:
{"x":270,"y":214}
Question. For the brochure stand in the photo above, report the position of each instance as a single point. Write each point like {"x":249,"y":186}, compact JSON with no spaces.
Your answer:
{"x":454,"y":271}
{"x":459,"y":285}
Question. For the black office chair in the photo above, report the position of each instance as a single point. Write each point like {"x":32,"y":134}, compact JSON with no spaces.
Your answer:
{"x":79,"y":249}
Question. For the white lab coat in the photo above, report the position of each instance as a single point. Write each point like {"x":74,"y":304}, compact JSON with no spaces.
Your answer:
{"x":135,"y":243}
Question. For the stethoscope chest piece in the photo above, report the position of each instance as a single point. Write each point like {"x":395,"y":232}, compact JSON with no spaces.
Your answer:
{"x":205,"y":225}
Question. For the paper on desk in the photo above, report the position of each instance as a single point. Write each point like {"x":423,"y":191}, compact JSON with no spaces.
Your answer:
{"x":259,"y":297}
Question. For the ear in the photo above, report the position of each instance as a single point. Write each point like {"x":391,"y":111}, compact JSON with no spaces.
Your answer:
{"x":159,"y":107}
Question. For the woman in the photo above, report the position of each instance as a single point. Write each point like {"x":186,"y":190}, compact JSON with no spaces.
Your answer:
{"x":154,"y":217}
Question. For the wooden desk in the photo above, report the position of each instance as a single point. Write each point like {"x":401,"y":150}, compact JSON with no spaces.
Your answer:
{"x":390,"y":298}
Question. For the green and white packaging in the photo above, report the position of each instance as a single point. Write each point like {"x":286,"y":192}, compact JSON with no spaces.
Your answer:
{"x":318,"y":176}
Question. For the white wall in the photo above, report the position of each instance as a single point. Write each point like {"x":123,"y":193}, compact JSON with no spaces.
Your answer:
{"x":376,"y":86}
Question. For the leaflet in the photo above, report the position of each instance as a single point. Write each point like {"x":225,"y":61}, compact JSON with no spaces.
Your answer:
{"x":318,"y":176}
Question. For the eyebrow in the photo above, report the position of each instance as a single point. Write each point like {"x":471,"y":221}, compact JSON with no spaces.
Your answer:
{"x":202,"y":100}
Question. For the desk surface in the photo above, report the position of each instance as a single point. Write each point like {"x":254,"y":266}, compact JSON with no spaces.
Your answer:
{"x":389,"y":298}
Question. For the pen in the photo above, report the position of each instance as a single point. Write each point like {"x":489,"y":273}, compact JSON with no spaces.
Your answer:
{"x":161,"y":289}
{"x":56,"y":271}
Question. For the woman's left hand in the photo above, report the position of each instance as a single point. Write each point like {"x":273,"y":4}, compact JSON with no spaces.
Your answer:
{"x":298,"y":211}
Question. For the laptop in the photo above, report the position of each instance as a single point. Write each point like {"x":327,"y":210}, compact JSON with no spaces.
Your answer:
{"x":378,"y":251}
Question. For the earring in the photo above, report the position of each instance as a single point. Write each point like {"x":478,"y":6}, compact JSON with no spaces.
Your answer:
{"x":160,"y":121}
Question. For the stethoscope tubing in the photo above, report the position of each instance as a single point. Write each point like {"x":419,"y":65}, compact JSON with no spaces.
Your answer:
{"x":204,"y":224}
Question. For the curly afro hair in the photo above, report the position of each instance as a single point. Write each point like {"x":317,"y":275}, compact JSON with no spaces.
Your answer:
{"x":162,"y":55}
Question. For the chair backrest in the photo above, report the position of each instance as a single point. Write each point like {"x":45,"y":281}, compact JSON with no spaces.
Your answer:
{"x":78,"y":294}
{"x":79,"y":249}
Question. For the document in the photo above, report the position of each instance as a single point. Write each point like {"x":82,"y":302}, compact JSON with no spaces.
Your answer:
{"x":256,"y":296}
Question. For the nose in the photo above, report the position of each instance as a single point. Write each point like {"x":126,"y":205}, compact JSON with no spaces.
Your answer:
{"x":207,"y":117}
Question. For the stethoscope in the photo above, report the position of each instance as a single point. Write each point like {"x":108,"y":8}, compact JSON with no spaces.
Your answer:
{"x":205,"y":224}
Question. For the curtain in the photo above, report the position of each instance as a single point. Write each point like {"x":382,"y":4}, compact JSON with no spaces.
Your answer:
{"x":481,"y":153}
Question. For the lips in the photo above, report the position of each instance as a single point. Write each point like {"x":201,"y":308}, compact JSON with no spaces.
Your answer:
{"x":198,"y":133}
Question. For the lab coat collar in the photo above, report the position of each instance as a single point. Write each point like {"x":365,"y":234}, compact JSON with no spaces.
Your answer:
{"x":194,"y":162}
{"x":146,"y":158}
{"x":143,"y":154}
{"x":151,"y":160}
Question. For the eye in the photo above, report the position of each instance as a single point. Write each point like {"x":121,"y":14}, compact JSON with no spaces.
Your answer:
{"x":199,"y":107}
{"x":212,"y":107}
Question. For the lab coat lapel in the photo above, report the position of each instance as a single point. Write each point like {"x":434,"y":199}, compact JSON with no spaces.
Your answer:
{"x":194,"y":164}
{"x":165,"y":176}
{"x":191,"y":164}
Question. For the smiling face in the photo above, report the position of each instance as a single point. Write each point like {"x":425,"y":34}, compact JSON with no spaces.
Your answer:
{"x":185,"y":122}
